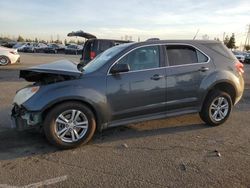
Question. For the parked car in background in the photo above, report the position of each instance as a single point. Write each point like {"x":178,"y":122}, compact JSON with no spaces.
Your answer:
{"x":8,"y":56}
{"x":24,"y":47}
{"x":39,"y":47}
{"x":93,"y":46}
{"x":240,"y":56}
{"x":29,"y":47}
{"x":9,"y":44}
{"x":129,"y":83}
{"x":73,"y":49}
{"x":54,"y":48}
{"x":247,"y":58}
{"x":18,"y":45}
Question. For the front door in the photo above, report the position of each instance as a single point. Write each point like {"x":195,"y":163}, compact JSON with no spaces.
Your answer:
{"x":142,"y":90}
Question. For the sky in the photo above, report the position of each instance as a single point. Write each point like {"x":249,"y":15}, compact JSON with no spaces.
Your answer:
{"x":165,"y":19}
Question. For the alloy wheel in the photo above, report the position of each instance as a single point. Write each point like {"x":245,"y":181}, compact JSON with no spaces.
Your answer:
{"x":71,"y":126}
{"x":4,"y":61}
{"x":219,"y":109}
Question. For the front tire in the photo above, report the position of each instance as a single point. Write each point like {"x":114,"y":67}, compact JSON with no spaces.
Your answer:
{"x":216,"y":108}
{"x":4,"y":60}
{"x":69,"y":125}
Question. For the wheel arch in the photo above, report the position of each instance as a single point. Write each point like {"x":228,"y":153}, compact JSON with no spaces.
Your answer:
{"x":87,"y":104}
{"x":225,"y":86}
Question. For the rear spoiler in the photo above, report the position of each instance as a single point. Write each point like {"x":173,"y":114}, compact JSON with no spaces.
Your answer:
{"x":81,"y":34}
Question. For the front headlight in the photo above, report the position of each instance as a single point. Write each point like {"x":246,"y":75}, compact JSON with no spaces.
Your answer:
{"x":24,"y":94}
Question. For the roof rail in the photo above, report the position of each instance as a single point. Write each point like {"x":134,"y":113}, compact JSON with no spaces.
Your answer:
{"x":152,"y":39}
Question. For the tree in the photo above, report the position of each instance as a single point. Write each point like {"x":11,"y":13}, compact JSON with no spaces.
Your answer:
{"x":28,"y":40}
{"x":42,"y":41}
{"x":226,"y":40}
{"x":217,"y":39}
{"x":65,"y":42}
{"x":247,"y":47}
{"x":231,"y":42}
{"x":205,"y":37}
{"x":58,"y":41}
{"x":20,"y":39}
{"x":36,"y":40}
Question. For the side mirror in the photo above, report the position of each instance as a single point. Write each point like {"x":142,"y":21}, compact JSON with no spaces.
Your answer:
{"x":117,"y":68}
{"x":80,"y":67}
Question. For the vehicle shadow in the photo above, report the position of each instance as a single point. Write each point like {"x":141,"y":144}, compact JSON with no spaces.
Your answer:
{"x":16,"y":144}
{"x":140,"y":131}
{"x":31,"y":143}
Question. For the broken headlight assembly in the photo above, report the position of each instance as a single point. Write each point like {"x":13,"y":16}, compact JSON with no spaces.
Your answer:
{"x":24,"y":94}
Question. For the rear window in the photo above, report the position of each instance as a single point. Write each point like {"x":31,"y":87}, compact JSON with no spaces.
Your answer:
{"x":104,"y":45}
{"x":221,"y":49}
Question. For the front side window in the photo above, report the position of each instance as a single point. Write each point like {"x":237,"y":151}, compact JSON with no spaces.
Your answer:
{"x":184,"y":54}
{"x":142,"y":58}
{"x":104,"y":57}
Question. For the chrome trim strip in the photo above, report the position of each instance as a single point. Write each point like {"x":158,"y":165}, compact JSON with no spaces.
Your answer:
{"x":159,"y":67}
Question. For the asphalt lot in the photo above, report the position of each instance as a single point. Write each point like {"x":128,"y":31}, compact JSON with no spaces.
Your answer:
{"x":176,"y":152}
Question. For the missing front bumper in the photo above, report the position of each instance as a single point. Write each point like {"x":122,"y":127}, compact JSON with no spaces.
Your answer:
{"x":22,"y":119}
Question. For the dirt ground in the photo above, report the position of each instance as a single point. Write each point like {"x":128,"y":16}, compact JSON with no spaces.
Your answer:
{"x":175,"y":152}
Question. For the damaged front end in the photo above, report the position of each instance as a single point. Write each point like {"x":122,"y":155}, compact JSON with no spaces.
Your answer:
{"x":40,"y":76}
{"x":51,"y":73}
{"x":22,"y":119}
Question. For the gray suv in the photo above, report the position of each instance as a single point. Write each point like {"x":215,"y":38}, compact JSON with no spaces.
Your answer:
{"x":129,"y":83}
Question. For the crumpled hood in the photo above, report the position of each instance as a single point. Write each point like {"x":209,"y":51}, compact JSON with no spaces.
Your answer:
{"x":61,"y":68}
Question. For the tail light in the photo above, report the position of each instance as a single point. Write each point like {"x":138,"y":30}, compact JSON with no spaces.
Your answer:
{"x":240,"y":67}
{"x":92,"y":55}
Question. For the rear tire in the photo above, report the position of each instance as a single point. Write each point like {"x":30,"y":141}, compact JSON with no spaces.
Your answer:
{"x":69,"y":125}
{"x":216,"y":108}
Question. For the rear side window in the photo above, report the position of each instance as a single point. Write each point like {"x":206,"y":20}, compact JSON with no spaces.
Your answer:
{"x":142,"y":58}
{"x":184,"y":54}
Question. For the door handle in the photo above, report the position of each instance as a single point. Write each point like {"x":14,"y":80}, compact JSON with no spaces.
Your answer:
{"x":157,"y":77}
{"x":204,"y":69}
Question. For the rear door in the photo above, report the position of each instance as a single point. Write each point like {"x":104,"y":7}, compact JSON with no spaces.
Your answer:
{"x":142,"y":90}
{"x":188,"y":66}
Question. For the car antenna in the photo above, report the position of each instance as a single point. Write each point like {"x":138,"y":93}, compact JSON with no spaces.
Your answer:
{"x":196,"y":34}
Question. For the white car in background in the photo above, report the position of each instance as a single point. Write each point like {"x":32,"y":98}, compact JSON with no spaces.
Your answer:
{"x":8,"y":56}
{"x":240,"y":56}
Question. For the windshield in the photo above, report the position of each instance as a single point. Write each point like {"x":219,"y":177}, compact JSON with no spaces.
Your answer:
{"x":102,"y":58}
